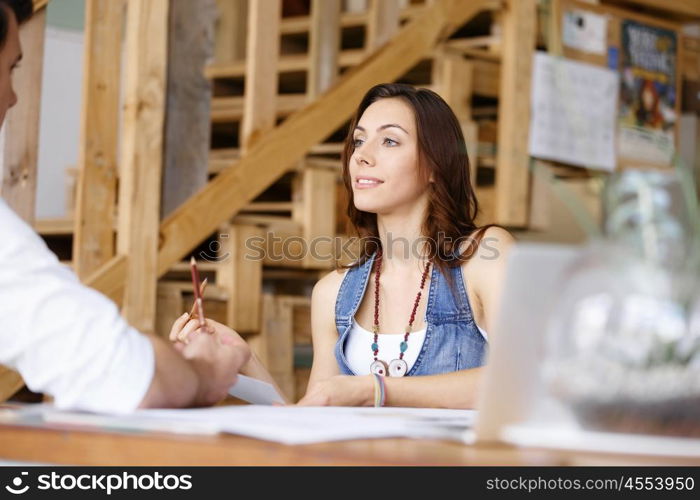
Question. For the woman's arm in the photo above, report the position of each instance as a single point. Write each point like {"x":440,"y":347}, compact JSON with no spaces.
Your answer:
{"x":485,"y":274}
{"x":448,"y":390}
{"x":323,"y":331}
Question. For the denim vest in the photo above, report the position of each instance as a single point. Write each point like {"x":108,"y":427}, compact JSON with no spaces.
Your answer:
{"x":452,"y":340}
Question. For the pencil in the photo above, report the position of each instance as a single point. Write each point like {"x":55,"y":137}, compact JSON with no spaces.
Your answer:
{"x":197,"y":294}
{"x":201,"y":294}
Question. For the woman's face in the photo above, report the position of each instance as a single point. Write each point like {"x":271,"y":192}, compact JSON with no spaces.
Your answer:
{"x":384,"y":166}
{"x":648,"y":98}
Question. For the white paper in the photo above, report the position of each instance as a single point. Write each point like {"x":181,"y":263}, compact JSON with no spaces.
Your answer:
{"x":569,"y":437}
{"x":255,"y":391}
{"x":302,"y":425}
{"x":647,"y":146}
{"x":573,"y":112}
{"x":98,"y":422}
{"x":585,"y":31}
{"x":284,"y":424}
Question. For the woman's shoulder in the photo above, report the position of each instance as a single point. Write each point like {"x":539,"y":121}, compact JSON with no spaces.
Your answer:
{"x":326,"y":289}
{"x":490,"y":255}
{"x":493,"y":246}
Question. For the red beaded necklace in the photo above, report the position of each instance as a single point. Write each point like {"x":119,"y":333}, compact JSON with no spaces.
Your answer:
{"x":398,"y":367}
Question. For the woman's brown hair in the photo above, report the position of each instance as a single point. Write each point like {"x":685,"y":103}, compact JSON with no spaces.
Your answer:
{"x":452,"y":203}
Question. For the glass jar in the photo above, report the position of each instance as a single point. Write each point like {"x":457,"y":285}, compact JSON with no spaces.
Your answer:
{"x":623,"y":346}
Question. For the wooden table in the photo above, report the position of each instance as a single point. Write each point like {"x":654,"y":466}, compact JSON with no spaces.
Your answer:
{"x":91,"y":448}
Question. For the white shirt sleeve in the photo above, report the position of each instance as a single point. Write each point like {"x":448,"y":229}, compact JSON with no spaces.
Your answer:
{"x":64,"y":338}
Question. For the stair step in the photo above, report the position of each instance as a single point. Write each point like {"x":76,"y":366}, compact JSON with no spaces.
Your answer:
{"x":268,"y":206}
{"x":229,"y":109}
{"x":272,"y":222}
{"x":222,"y":158}
{"x":286,"y":64}
{"x":60,"y":226}
{"x":213,"y":292}
{"x":302,"y":24}
{"x":202,"y":266}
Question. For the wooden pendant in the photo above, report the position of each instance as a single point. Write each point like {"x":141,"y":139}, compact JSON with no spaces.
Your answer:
{"x":398,"y":368}
{"x":378,"y":367}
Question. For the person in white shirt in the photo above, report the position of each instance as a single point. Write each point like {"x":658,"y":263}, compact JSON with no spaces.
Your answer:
{"x":68,"y":340}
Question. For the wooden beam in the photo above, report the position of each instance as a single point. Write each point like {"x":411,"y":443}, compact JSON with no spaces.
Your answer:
{"x":453,"y":77}
{"x":382,"y":22}
{"x":487,"y":209}
{"x":170,"y":307}
{"x":142,"y":156}
{"x":20,"y":143}
{"x":324,"y":46}
{"x":230,"y":108}
{"x":59,"y":226}
{"x":93,"y":242}
{"x":187,"y":125}
{"x":314,"y":202}
{"x":20,"y":133}
{"x":690,"y":8}
{"x":40,"y":4}
{"x":230,"y":39}
{"x":261,"y":71}
{"x":555,"y":44}
{"x":10,"y":383}
{"x":512,"y":171}
{"x":486,"y":78}
{"x":313,"y":190}
{"x":241,"y":275}
{"x":301,"y":24}
{"x":690,"y":58}
{"x":285,"y":64}
{"x":276,"y":346}
{"x":110,"y":278}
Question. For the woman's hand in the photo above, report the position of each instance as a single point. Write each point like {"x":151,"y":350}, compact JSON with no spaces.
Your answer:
{"x":218,"y":353}
{"x":341,"y":390}
{"x":185,"y":328}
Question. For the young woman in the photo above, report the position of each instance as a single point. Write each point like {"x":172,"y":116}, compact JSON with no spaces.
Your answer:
{"x":416,"y":307}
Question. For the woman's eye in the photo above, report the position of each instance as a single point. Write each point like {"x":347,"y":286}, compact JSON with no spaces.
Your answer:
{"x":390,"y":142}
{"x":357,"y":142}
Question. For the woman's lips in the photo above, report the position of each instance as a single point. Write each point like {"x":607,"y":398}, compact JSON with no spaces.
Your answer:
{"x":367,"y":182}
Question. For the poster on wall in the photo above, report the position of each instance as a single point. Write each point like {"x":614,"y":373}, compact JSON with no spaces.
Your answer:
{"x":647,"y":111}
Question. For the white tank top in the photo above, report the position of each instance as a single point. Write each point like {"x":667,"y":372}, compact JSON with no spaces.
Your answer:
{"x":358,"y":347}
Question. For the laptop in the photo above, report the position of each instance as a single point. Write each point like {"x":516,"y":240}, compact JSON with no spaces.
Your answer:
{"x":513,"y":404}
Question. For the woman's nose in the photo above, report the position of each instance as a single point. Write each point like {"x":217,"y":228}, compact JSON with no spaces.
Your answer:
{"x":364,"y":157}
{"x":361,"y":160}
